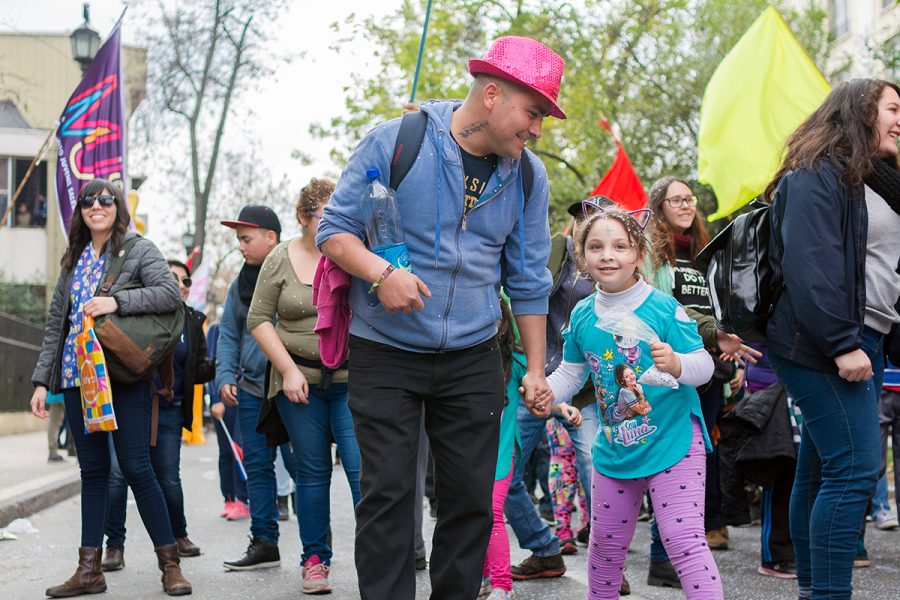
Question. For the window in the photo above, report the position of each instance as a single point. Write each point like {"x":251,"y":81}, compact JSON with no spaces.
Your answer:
{"x":4,"y":184}
{"x":839,"y":18}
{"x":31,"y":205}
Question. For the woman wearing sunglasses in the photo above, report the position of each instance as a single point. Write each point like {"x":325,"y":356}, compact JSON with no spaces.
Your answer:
{"x":678,"y":234}
{"x":98,"y":229}
{"x":310,"y":400}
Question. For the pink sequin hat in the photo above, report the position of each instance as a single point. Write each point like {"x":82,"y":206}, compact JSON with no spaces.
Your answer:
{"x":527,"y":62}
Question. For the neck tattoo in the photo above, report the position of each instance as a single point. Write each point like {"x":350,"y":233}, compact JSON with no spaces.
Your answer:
{"x":473,"y":128}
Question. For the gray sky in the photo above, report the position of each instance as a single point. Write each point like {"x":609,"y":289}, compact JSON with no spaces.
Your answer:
{"x":284,"y":105}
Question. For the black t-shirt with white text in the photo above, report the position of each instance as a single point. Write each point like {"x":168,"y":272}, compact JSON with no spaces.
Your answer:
{"x":690,"y":284}
{"x":477,"y":171}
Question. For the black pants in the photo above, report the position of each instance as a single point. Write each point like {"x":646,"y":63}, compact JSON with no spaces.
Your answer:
{"x":775,"y":534}
{"x":462,"y":395}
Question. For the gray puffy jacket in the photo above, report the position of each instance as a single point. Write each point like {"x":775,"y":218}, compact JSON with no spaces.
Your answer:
{"x":159,"y":294}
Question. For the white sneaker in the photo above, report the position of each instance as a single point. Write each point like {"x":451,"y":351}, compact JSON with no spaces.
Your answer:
{"x":501,"y":594}
{"x":884,"y":520}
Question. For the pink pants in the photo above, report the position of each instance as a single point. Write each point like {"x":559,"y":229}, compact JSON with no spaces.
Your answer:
{"x":678,"y":495}
{"x":496,"y":563}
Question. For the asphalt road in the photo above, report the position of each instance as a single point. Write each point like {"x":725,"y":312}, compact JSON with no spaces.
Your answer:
{"x":37,"y":560}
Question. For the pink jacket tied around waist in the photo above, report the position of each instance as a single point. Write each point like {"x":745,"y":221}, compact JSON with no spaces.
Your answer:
{"x":331,"y":286}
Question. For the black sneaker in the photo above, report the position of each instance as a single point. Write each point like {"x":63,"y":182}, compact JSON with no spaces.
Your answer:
{"x":539,"y":567}
{"x":421,"y":563}
{"x":584,"y":535}
{"x":662,"y":574}
{"x":259,"y":555}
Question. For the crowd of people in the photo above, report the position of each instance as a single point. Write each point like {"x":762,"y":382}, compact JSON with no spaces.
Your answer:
{"x":600,"y":343}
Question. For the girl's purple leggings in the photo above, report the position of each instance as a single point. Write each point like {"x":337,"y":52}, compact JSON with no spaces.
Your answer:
{"x":677,"y":494}
{"x":496,"y":563}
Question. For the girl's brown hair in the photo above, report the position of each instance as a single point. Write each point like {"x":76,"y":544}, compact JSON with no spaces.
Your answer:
{"x":313,"y":194}
{"x":632,"y":229}
{"x":660,"y":232}
{"x":80,"y":235}
{"x":842,"y":131}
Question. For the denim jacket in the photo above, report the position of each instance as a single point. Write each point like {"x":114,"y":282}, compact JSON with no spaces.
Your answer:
{"x":463,"y":259}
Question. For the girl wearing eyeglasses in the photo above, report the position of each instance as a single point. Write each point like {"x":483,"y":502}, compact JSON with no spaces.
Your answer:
{"x":98,"y":229}
{"x":678,"y":234}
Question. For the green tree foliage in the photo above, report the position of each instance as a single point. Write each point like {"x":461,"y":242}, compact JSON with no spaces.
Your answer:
{"x":643,"y":64}
{"x":23,"y":301}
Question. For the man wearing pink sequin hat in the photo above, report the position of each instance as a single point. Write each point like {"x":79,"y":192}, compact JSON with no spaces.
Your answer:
{"x":473,"y":207}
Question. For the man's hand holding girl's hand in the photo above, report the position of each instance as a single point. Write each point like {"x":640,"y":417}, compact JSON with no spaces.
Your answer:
{"x":665,"y":358}
{"x":537,"y":394}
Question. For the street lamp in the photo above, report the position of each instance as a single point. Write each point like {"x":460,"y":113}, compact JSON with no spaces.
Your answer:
{"x":187,"y":240}
{"x":85,"y":40}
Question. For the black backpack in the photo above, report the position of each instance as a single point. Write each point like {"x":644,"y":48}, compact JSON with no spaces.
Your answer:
{"x":743,"y":286}
{"x":409,"y":141}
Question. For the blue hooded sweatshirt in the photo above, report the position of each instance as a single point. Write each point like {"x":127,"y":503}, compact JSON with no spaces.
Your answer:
{"x":504,"y":240}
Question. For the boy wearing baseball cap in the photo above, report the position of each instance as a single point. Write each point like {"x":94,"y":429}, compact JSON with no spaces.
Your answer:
{"x":426,"y":339}
{"x":240,"y":375}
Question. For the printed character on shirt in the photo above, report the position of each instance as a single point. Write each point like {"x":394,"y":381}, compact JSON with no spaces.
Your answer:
{"x":625,"y":403}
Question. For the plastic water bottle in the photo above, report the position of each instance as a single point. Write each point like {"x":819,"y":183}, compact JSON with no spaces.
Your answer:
{"x":383,"y":227}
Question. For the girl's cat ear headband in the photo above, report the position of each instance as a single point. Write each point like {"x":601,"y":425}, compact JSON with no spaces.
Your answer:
{"x":601,"y":204}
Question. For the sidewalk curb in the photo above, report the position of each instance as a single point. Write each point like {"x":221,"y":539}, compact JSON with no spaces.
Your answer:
{"x":33,"y":501}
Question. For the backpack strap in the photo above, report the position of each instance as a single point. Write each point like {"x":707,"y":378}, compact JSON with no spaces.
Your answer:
{"x":527,"y":171}
{"x":409,"y":142}
{"x":115,"y":266}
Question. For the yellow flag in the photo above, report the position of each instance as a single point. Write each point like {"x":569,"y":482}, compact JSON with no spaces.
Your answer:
{"x":760,"y":92}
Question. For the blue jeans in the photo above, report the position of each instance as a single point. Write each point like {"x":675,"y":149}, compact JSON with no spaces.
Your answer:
{"x":837,"y":468}
{"x":583,"y":439}
{"x":880,"y":501}
{"x":532,"y":533}
{"x":259,"y":462}
{"x":311,"y":427}
{"x":231,"y":483}
{"x":132,"y":447}
{"x":166,"y":460}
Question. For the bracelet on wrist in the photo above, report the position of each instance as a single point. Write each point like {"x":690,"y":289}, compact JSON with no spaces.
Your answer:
{"x":381,"y":278}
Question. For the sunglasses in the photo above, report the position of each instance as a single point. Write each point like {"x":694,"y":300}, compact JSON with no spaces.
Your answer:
{"x":185,"y":281}
{"x":88,"y":201}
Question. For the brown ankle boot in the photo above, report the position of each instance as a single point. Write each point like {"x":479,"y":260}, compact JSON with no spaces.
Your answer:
{"x":173,"y":582}
{"x":88,"y":578}
{"x":115,"y":558}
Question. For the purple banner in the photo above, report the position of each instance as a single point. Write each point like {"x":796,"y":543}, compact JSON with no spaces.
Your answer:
{"x":91,"y":133}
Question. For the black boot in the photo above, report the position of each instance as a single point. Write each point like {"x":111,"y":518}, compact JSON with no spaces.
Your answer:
{"x":259,"y":555}
{"x":662,"y":574}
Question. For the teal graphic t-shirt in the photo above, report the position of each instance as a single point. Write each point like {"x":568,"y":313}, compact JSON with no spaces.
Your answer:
{"x":645,"y":426}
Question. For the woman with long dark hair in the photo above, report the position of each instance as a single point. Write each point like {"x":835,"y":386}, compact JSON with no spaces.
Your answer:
{"x":97,"y":232}
{"x":836,"y":214}
{"x":677,"y":233}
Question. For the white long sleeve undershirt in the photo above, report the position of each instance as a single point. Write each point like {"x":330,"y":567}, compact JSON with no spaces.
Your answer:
{"x":568,"y":378}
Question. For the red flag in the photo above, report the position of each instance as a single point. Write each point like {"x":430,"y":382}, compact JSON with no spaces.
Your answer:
{"x":621,"y":183}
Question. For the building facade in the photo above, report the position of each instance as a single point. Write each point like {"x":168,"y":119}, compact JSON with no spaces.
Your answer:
{"x":37,"y":76}
{"x":865,"y":37}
